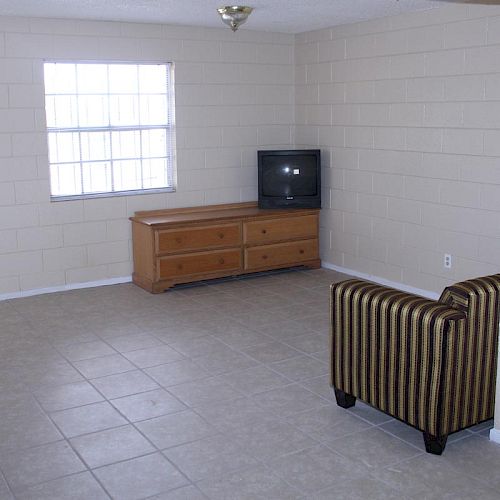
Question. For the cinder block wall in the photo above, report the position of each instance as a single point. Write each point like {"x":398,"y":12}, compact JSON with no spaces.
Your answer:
{"x":406,"y":111}
{"x":234,"y":95}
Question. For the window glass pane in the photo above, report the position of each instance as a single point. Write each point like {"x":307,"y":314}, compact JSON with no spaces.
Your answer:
{"x":60,"y":78}
{"x":64,"y":147}
{"x":92,"y":78}
{"x":65,"y":180}
{"x":97,"y":177}
{"x":93,"y":111}
{"x":127,"y":175}
{"x":153,"y":109}
{"x":61,"y":111}
{"x":154,"y":173}
{"x":124,"y":110}
{"x":123,"y":79}
{"x":152,"y":78}
{"x":95,"y":146}
{"x":154,"y":143}
{"x":126,"y":144}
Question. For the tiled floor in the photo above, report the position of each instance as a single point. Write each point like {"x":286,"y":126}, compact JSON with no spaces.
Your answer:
{"x":216,"y":391}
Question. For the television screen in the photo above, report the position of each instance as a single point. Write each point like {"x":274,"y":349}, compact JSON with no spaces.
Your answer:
{"x":289,"y":175}
{"x":289,"y":178}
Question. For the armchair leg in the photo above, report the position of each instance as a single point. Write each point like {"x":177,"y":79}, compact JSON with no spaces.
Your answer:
{"x":433,"y":444}
{"x":343,"y":399}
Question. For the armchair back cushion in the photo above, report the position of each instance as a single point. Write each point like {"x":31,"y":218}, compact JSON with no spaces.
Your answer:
{"x":473,"y":364}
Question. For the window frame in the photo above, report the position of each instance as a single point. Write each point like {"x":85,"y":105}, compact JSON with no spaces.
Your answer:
{"x":169,"y":127}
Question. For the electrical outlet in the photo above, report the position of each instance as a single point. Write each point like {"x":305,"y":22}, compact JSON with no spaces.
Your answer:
{"x":447,"y":261}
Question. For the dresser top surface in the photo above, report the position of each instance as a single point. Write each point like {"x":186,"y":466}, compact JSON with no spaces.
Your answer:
{"x":215,"y":213}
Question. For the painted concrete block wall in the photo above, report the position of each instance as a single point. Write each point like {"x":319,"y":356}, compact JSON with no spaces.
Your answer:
{"x":234,"y":95}
{"x":406,"y":111}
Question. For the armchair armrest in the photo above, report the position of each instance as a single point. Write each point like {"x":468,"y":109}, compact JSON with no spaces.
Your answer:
{"x":389,"y":348}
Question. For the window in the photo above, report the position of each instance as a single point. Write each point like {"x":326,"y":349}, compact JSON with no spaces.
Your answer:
{"x":110,"y":128}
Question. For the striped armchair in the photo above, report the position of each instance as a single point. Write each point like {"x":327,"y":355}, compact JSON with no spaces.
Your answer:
{"x":431,"y":364}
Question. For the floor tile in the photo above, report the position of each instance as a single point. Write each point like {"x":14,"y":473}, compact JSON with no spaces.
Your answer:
{"x":36,"y":465}
{"x":327,"y":423}
{"x":431,"y":476}
{"x":255,"y":380}
{"x":360,"y":489}
{"x":175,"y":373}
{"x":109,"y":446}
{"x":269,"y":439}
{"x":240,"y":337}
{"x":256,"y":320}
{"x":124,"y":384}
{"x":253,"y":483}
{"x":202,"y":347}
{"x":316,"y":469}
{"x":475,"y":456}
{"x":51,"y":374}
{"x":80,"y":486}
{"x":209,"y":457}
{"x":173,"y":333}
{"x":67,"y":396}
{"x":153,"y":356}
{"x":270,"y":352}
{"x":140,"y":477}
{"x":320,"y":386}
{"x":148,"y":405}
{"x":374,"y":448}
{"x":224,"y":362}
{"x":309,"y":343}
{"x":282,"y":330}
{"x":87,"y":419}
{"x":175,"y":429}
{"x":127,"y":343}
{"x":288,"y":400}
{"x":105,"y":365}
{"x":86,"y":350}
{"x":230,"y":415}
{"x":18,"y":431}
{"x":204,"y":391}
{"x":5,"y":493}
{"x":184,"y":493}
{"x":300,"y":368}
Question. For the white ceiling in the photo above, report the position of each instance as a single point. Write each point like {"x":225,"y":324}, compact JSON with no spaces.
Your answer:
{"x":289,"y":16}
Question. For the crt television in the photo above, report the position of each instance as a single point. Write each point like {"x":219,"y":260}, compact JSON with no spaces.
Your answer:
{"x":289,"y":178}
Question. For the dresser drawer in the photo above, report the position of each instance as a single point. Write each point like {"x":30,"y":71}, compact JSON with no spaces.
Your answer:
{"x":280,"y":254}
{"x":197,"y":238}
{"x":199,"y":263}
{"x":281,"y":229}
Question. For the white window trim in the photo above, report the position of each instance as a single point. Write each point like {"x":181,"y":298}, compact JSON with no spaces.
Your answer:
{"x":171,"y":155}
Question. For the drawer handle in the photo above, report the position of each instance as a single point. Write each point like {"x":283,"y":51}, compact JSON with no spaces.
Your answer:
{"x":179,"y":266}
{"x":264,"y":257}
{"x":221,"y":261}
{"x":178,"y":240}
{"x":301,"y":251}
{"x":221,"y":235}
{"x":264,"y":231}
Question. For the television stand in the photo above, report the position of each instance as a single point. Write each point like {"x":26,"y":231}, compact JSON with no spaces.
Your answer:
{"x":191,"y":244}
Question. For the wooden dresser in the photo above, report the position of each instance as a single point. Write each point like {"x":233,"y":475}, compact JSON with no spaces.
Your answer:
{"x":191,"y":244}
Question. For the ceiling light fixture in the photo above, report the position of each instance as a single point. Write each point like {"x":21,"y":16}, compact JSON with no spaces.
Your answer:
{"x":234,"y":15}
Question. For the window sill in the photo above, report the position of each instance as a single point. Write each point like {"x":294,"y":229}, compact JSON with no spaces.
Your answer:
{"x":135,"y":192}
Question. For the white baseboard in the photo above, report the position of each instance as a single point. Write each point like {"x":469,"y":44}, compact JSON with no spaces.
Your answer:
{"x":495,"y":435}
{"x":62,"y":288}
{"x":381,"y":281}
